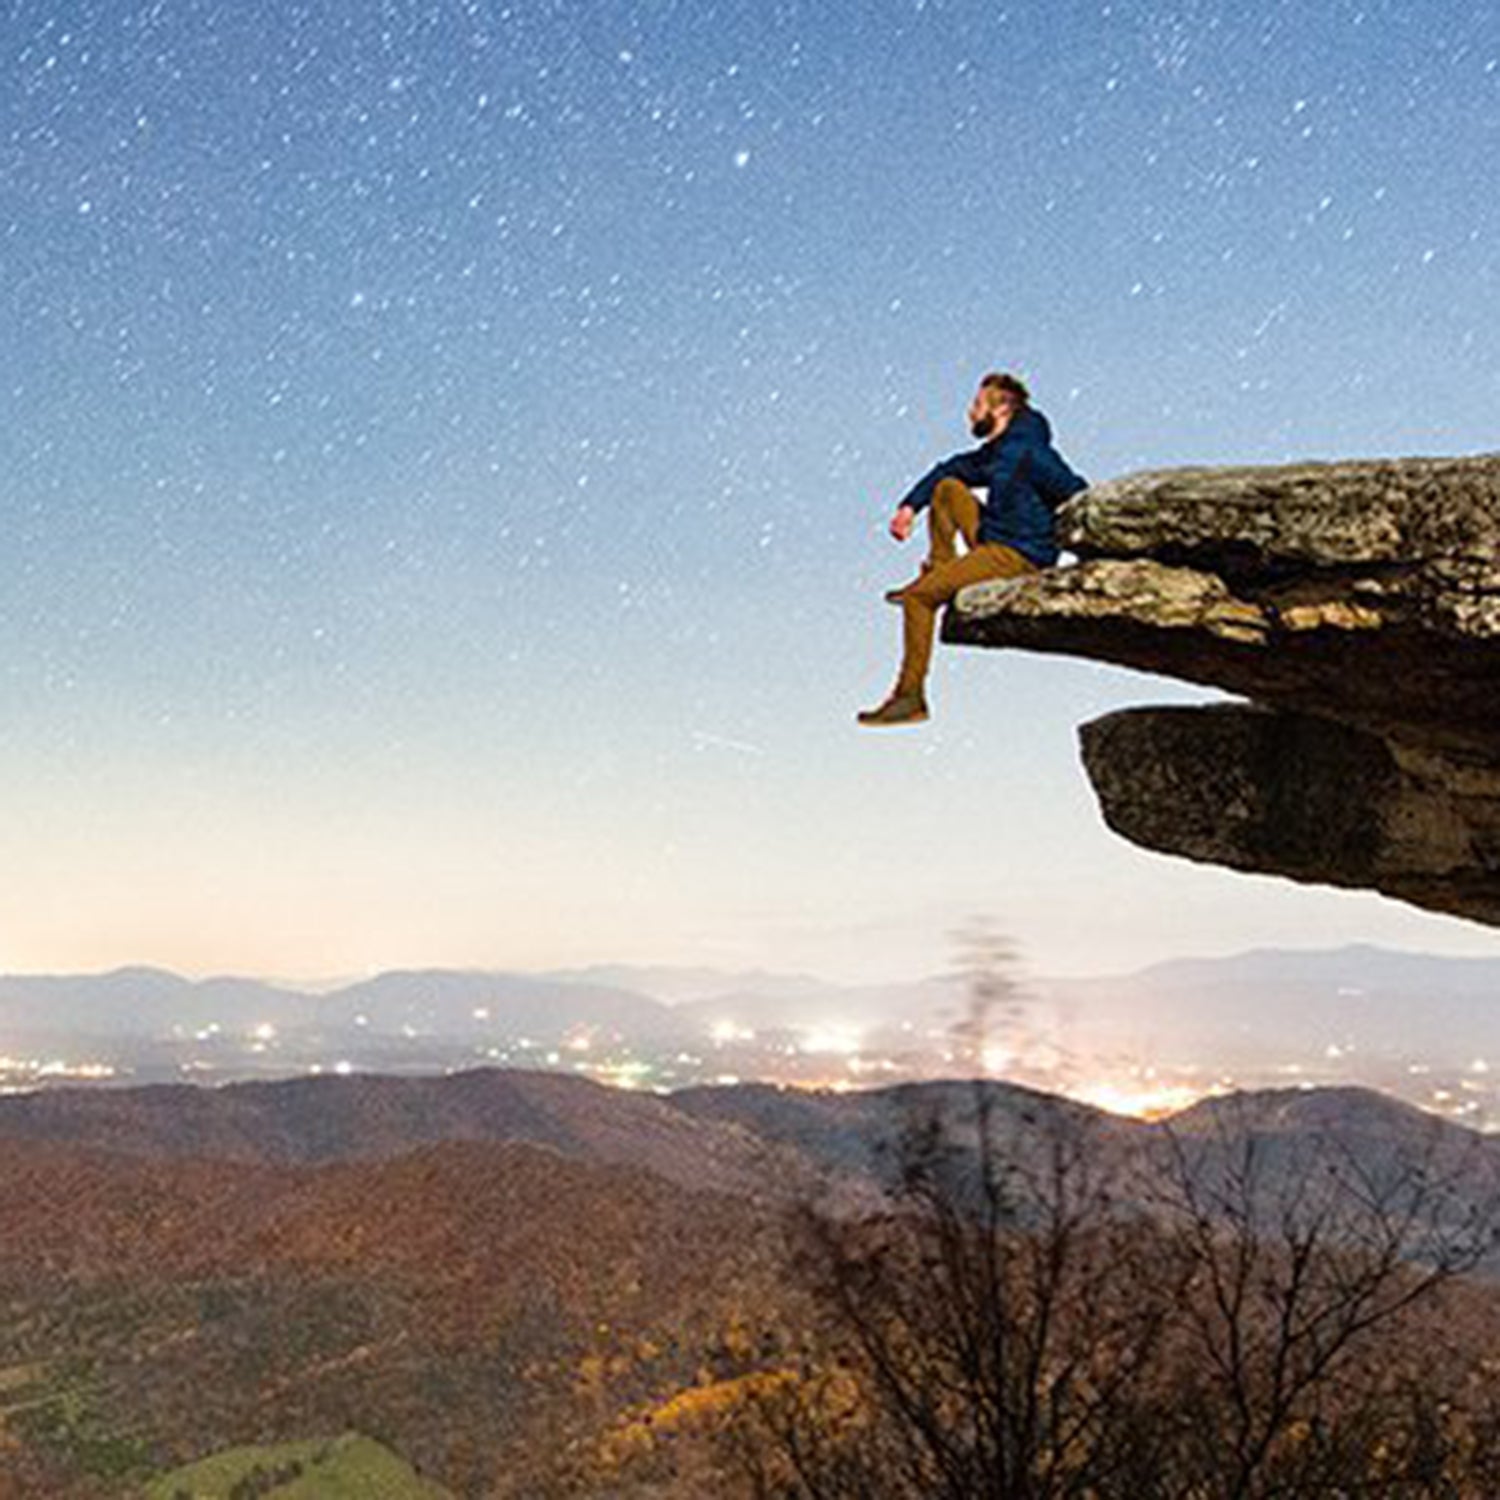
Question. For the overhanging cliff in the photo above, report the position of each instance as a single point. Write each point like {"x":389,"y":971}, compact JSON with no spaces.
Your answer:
{"x":1356,"y":606}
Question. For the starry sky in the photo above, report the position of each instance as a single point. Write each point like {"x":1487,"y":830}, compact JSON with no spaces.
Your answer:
{"x":445,"y":451}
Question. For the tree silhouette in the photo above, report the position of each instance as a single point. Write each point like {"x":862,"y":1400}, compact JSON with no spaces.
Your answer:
{"x":1036,"y":1314}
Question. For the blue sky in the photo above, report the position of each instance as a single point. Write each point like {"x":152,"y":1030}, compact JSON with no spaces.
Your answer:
{"x":445,"y":451}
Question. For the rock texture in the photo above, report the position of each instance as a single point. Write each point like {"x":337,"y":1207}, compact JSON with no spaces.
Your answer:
{"x":1357,"y":607}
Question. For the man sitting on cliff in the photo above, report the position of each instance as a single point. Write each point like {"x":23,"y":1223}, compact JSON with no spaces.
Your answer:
{"x":1010,"y":534}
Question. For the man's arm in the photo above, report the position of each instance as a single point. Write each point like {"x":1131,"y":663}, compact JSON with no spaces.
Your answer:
{"x":971,"y":467}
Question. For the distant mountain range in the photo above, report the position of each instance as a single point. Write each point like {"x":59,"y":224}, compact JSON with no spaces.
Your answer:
{"x":145,"y":1002}
{"x":1257,"y":1007}
{"x":1272,"y":1005}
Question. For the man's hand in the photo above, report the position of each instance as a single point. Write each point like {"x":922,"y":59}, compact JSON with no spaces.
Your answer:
{"x":902,"y":523}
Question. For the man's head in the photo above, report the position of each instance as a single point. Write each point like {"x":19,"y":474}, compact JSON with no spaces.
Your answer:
{"x":997,"y":400}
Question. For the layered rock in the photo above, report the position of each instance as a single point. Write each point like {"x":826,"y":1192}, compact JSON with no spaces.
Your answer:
{"x":1357,"y":607}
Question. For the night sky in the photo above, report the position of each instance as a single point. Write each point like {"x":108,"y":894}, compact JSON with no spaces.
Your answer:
{"x":445,"y":451}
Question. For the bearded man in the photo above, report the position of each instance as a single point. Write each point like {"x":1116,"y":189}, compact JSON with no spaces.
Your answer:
{"x":1011,"y":533}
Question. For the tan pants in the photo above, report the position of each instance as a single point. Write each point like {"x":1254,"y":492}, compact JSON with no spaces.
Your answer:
{"x":954,"y":512}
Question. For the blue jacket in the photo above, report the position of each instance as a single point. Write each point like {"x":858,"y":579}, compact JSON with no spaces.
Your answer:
{"x":1027,"y":480}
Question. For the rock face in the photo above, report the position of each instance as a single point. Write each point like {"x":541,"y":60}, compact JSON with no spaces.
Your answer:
{"x":1357,"y":607}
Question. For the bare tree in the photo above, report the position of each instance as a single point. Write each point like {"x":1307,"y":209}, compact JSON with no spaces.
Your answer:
{"x":1310,"y":1265}
{"x":1040,"y":1312}
{"x":984,"y":1333}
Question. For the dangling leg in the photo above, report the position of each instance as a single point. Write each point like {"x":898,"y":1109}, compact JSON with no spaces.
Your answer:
{"x":920,"y":603}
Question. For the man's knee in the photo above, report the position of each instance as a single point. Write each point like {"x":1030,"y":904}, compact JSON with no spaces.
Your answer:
{"x":935,"y":587}
{"x":952,"y":492}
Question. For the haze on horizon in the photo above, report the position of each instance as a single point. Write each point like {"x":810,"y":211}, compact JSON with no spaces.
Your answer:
{"x":446,"y":453}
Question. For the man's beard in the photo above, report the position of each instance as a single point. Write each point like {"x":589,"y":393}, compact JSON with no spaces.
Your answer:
{"x":983,"y":426}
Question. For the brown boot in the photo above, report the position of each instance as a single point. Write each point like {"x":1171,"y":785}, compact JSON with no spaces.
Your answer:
{"x":899,"y":708}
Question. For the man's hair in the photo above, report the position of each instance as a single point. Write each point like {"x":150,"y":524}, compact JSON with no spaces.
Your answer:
{"x":1009,"y":385}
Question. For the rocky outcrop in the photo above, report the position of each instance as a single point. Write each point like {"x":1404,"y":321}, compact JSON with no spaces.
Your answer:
{"x":1355,"y":605}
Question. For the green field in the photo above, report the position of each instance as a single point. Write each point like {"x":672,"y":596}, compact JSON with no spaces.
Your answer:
{"x":350,"y":1467}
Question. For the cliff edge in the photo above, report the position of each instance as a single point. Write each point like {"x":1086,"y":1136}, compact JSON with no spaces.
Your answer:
{"x":1354,"y":608}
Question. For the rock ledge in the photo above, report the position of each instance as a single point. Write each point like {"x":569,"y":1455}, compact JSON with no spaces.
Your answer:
{"x":1355,"y":605}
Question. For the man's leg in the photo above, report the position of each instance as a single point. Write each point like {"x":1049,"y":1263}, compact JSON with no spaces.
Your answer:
{"x":954,"y":512}
{"x":923,"y":599}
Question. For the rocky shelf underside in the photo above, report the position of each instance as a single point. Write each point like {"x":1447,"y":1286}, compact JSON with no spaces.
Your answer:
{"x":1355,"y":605}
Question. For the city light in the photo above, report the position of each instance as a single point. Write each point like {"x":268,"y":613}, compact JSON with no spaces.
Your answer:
{"x":1142,"y":1101}
{"x":816,"y":1051}
{"x":840,"y":1039}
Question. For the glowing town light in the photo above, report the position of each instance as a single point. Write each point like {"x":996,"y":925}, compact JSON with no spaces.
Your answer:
{"x":481,"y":1012}
{"x":1143,"y":1103}
{"x":626,"y":1075}
{"x":265,"y":1032}
{"x":59,"y":1067}
{"x":997,"y":1057}
{"x":731,"y":1031}
{"x":842,"y":1040}
{"x":343,"y":1067}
